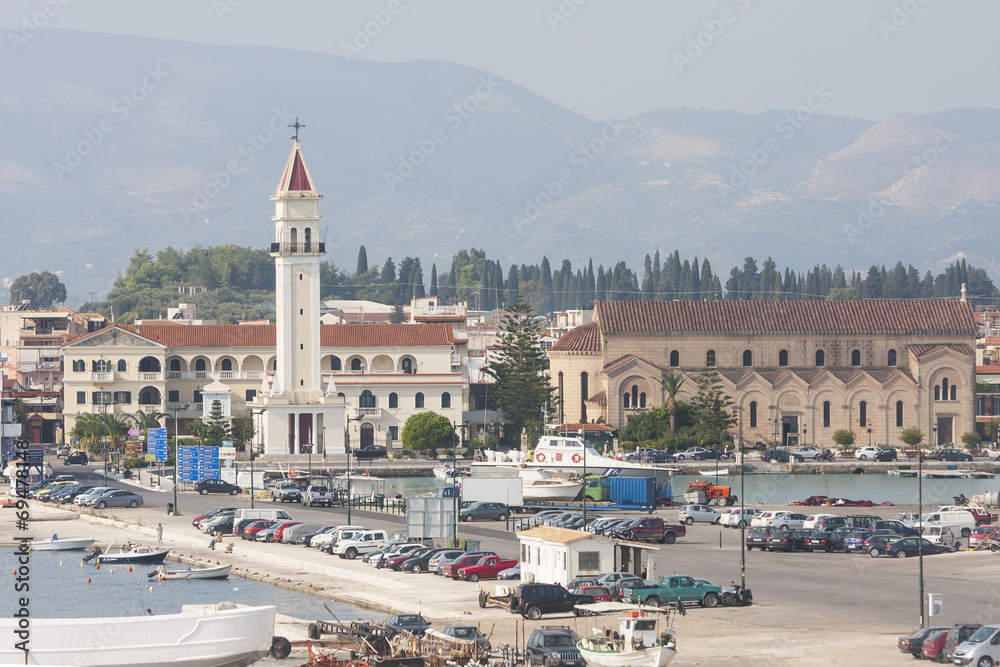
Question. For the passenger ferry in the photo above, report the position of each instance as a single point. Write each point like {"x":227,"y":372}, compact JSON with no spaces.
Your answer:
{"x":567,"y":455}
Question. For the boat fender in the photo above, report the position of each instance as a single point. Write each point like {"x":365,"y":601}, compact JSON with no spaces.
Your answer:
{"x":281,"y":648}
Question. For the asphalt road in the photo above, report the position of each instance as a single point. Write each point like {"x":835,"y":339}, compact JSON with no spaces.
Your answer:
{"x":805,"y":591}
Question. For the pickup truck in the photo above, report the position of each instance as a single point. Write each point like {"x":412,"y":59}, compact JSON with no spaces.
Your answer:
{"x":652,"y":529}
{"x":675,"y":588}
{"x":286,"y":491}
{"x":451,"y":568}
{"x":487,"y":568}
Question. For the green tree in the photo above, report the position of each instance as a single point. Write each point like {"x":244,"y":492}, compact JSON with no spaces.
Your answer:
{"x":199,"y":430}
{"x":712,"y":413}
{"x":114,"y":427}
{"x":993,"y":427}
{"x":426,"y":431}
{"x":521,"y":391}
{"x":397,"y":316}
{"x":971,"y":440}
{"x":243,"y":430}
{"x":844,"y":438}
{"x":218,"y":426}
{"x":42,"y":289}
{"x":911,"y":436}
{"x":672,"y":382}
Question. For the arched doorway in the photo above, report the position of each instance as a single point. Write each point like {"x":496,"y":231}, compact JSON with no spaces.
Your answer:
{"x":367,"y":435}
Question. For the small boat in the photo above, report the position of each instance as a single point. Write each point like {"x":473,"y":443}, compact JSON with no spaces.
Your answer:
{"x":215,"y":637}
{"x":55,"y":544}
{"x":219,"y":572}
{"x":138,"y":555}
{"x":446,"y":473}
{"x":639,"y":642}
{"x":712,"y":472}
{"x":538,"y":486}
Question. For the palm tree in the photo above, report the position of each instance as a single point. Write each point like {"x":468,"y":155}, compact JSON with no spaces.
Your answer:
{"x":672,"y":382}
{"x":147,"y":420}
{"x":88,"y":429}
{"x":198,"y":429}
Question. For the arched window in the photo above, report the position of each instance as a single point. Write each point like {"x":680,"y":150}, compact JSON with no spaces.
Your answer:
{"x":367,"y":399}
{"x":826,"y":414}
{"x":199,"y":365}
{"x":407,"y":365}
{"x":393,"y":401}
{"x":899,"y":414}
{"x":753,"y":414}
{"x":175,"y":364}
{"x":820,"y":358}
{"x":583,"y":396}
{"x":710,"y":358}
{"x":892,"y":357}
{"x":635,"y":396}
{"x":954,"y":393}
{"x":100,"y":366}
{"x":747,"y":358}
{"x":863,"y":413}
{"x":122,"y":366}
{"x":445,"y":401}
{"x":675,"y":358}
{"x":937,"y":392}
{"x":227,"y":364}
{"x":355,"y":364}
{"x":418,"y":400}
{"x":294,"y":239}
{"x":627,"y":400}
{"x":79,"y":366}
{"x":855,"y":357}
{"x":308,"y":239}
{"x":642,"y":400}
{"x":561,"y":395}
{"x":944,"y":389}
{"x":335,"y":363}
{"x":783,"y":358}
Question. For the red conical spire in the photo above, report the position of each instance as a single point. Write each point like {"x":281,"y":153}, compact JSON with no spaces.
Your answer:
{"x":299,"y":179}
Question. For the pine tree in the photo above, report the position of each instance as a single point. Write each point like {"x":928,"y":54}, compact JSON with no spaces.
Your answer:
{"x":711,"y":409}
{"x":362,"y":268}
{"x":218,"y":426}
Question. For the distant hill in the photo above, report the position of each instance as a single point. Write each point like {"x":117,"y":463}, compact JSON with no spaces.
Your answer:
{"x":425,"y":158}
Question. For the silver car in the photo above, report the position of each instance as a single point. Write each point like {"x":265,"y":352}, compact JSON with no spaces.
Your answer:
{"x":116,"y":498}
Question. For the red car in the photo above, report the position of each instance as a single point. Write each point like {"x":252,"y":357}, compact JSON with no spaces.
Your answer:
{"x":599,"y":593}
{"x":281,"y":528}
{"x":981,"y":533}
{"x":486,"y":568}
{"x":209,"y":514}
{"x":394,"y":562}
{"x":250,"y":532}
{"x":934,"y":646}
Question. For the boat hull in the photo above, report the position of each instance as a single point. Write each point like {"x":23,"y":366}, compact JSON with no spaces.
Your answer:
{"x":125,"y":559}
{"x":208,"y":573}
{"x":657,"y":656}
{"x":229,"y":638}
{"x":61,"y":545}
{"x":551,"y":492}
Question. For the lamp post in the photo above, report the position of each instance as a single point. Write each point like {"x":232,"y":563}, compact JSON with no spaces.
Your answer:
{"x":743,"y":510}
{"x":261,"y":431}
{"x":177,"y":455}
{"x":347,"y":448}
{"x":583,"y":439}
{"x":454,"y":489}
{"x":869,"y":432}
{"x":920,"y":538}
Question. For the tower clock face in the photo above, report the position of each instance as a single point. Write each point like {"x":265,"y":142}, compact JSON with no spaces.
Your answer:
{"x":301,"y":208}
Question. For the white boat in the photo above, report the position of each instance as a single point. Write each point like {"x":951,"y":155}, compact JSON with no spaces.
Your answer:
{"x":712,"y":472}
{"x":639,"y":642}
{"x":569,"y":455}
{"x":220,"y":572}
{"x":447,"y":474}
{"x":537,"y":486}
{"x":55,"y":544}
{"x":214,"y":637}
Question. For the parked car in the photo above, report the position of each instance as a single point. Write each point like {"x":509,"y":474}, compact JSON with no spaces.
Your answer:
{"x":483,"y":510}
{"x":553,"y":647}
{"x":469,"y":633}
{"x":831,"y":523}
{"x":909,"y":546}
{"x":886,"y":454}
{"x":895,"y":526}
{"x":787,"y":520}
{"x":487,"y":568}
{"x":658,"y":456}
{"x":616,"y":582}
{"x":932,"y":647}
{"x":215,"y":485}
{"x":674,"y":588}
{"x":369,"y":453}
{"x":286,"y":491}
{"x":317,"y":494}
{"x":360,"y":543}
{"x":599,"y":593}
{"x":981,"y":533}
{"x":250,"y":532}
{"x":697,"y":454}
{"x":777,"y":455}
{"x":116,"y":498}
{"x":982,"y":648}
{"x":64,"y":450}
{"x":651,"y":529}
{"x":861,"y":520}
{"x":875,"y":545}
{"x":787,"y":540}
{"x":209,"y":514}
{"x":415,"y":624}
{"x":533,"y":600}
{"x":76,"y":458}
{"x":808,"y":452}
{"x":854,"y":541}
{"x":510,"y":573}
{"x":691,"y":513}
{"x":536,"y":520}
{"x":947,"y":455}
{"x":813,"y":519}
{"x":958,"y":634}
{"x":452,"y":567}
{"x":757,"y":537}
{"x":865,"y":453}
{"x":68,"y":493}
{"x":828,"y":540}
{"x":436,"y":563}
{"x":738,"y":517}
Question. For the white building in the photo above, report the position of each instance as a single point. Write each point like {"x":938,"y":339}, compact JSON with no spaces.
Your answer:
{"x":552,"y":555}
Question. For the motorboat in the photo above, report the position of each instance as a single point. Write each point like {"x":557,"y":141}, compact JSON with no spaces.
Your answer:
{"x":712,"y":472}
{"x":448,"y":474}
{"x":537,"y":486}
{"x":138,"y":555}
{"x":214,"y":637}
{"x":642,"y":640}
{"x":219,"y":572}
{"x":56,"y":544}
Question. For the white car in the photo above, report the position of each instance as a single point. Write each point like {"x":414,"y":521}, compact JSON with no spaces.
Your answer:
{"x":808,"y":452}
{"x":992,"y":453}
{"x":691,"y":513}
{"x":787,"y":520}
{"x":813,"y":519}
{"x":761,"y":519}
{"x":738,"y":517}
{"x":319,"y":540}
{"x":695,"y":453}
{"x":866,"y":453}
{"x":360,"y":543}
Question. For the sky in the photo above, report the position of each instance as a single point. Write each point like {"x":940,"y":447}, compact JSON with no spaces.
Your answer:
{"x":609,"y":59}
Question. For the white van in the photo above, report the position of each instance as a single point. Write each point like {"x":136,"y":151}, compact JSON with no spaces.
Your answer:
{"x":262,"y":515}
{"x":963,"y":519}
{"x":946,"y":536}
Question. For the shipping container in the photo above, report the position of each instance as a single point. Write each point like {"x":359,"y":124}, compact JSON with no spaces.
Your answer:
{"x":633,"y":491}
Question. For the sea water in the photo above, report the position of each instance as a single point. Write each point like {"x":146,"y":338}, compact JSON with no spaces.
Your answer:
{"x":60,"y":588}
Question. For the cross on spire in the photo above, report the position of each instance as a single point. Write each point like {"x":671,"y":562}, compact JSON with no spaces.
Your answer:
{"x":296,"y":125}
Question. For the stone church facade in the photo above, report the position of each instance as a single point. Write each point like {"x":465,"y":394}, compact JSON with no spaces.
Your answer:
{"x":797,"y":371}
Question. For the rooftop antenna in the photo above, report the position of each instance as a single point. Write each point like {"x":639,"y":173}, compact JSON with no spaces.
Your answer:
{"x":296,"y":125}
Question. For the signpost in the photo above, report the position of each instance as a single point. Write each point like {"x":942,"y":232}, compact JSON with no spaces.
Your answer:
{"x":157,"y":445}
{"x":198,"y":463}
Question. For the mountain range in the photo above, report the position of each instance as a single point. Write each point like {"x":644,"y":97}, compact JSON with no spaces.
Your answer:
{"x":109,"y":143}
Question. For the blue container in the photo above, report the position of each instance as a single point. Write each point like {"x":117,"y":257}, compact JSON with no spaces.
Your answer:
{"x":633,"y":491}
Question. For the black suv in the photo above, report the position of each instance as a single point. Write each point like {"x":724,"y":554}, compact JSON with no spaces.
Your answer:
{"x":215,"y":485}
{"x":554,"y":646}
{"x":776,"y":455}
{"x":76,"y":457}
{"x":533,"y":600}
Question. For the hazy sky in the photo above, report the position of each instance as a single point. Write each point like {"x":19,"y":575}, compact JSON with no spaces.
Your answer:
{"x":605,"y":58}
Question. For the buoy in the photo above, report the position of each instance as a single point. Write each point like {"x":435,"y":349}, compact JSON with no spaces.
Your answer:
{"x":150,"y":589}
{"x":138,"y":583}
{"x":81,"y":566}
{"x":236,"y":589}
{"x":88,"y":580}
{"x":14,"y":572}
{"x":111,"y":571}
{"x":60,"y":563}
{"x":129,"y":568}
{"x":97,"y":567}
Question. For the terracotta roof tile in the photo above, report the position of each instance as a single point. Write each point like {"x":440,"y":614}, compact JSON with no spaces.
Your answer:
{"x":590,"y":428}
{"x":988,"y":370}
{"x":834,"y":317}
{"x":584,"y":338}
{"x":921,"y":350}
{"x":600,"y":398}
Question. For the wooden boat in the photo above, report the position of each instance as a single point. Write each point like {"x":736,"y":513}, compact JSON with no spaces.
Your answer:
{"x":216,"y":637}
{"x":640,"y":641}
{"x":55,"y":544}
{"x":135,"y":556}
{"x":220,"y":572}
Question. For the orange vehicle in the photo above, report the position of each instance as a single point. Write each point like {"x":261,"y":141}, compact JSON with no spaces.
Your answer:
{"x":719,"y":495}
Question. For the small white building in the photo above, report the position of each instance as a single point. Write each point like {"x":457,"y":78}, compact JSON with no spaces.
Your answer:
{"x":552,"y":555}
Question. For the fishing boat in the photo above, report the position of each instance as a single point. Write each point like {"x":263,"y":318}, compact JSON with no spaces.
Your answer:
{"x":138,"y":555}
{"x":55,"y":544}
{"x":215,"y":637}
{"x":712,"y":472}
{"x":640,"y":641}
{"x":219,"y":572}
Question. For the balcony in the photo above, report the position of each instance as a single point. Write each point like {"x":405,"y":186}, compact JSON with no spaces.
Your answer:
{"x":106,"y":376}
{"x":299,"y":248}
{"x":370,"y":413}
{"x":215,"y":375}
{"x":150,"y":409}
{"x":150,"y":377}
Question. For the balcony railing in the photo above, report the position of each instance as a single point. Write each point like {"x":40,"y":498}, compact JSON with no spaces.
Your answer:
{"x":374,"y":413}
{"x":106,"y":376}
{"x":299,"y":248}
{"x":151,"y":377}
{"x":150,"y":409}
{"x":215,"y":375}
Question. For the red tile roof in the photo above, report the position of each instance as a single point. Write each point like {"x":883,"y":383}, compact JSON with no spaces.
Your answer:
{"x":593,"y":428}
{"x":988,"y":370}
{"x":834,"y":317}
{"x":600,"y":398}
{"x":922,"y":350}
{"x":298,"y":180}
{"x":584,"y":338}
{"x":385,"y":335}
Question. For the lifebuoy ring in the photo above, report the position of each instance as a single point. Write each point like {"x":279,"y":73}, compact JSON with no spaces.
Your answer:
{"x":576,"y":458}
{"x":291,"y":473}
{"x":540,"y":458}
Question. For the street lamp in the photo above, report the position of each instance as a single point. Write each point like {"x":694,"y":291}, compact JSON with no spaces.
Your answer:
{"x":584,"y":440}
{"x":869,"y":432}
{"x":454,"y":488}
{"x":177,"y":455}
{"x":347,"y":448}
{"x":260,"y":412}
{"x":743,"y":509}
{"x":920,"y":513}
